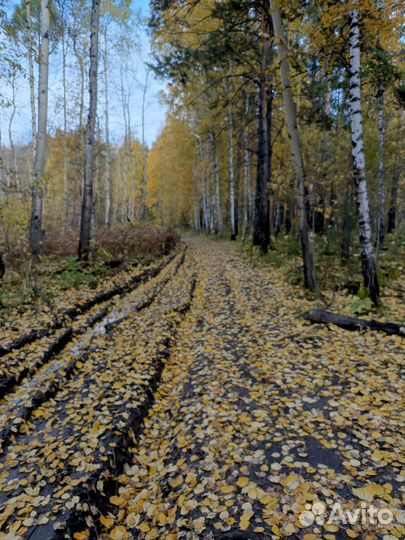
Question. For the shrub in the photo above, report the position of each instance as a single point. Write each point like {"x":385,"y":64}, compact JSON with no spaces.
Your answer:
{"x":120,"y":242}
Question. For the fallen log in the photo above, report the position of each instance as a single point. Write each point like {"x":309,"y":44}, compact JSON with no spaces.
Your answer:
{"x":353,"y":323}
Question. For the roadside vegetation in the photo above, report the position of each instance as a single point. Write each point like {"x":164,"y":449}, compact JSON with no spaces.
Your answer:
{"x":36,"y":285}
{"x":340,"y":281}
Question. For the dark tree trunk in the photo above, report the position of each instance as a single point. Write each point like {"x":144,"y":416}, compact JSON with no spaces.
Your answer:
{"x":233,"y":204}
{"x":318,"y":217}
{"x":288,"y":218}
{"x":353,"y":323}
{"x":261,"y":225}
{"x":381,"y":225}
{"x":238,"y":183}
{"x":87,"y":204}
{"x":392,"y":212}
{"x":347,"y":225}
{"x":296,"y":151}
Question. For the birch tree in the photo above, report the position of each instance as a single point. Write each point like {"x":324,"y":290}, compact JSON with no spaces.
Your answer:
{"x":291,"y":116}
{"x":13,"y":105}
{"x":381,"y":171}
{"x":31,"y":73}
{"x":40,"y":146}
{"x":247,"y":174}
{"x":217,"y":183}
{"x":87,"y":203}
{"x":232,"y":192}
{"x":65,"y":160}
{"x":384,"y":74}
{"x":204,"y":198}
{"x":369,"y":266}
{"x":107,"y":173}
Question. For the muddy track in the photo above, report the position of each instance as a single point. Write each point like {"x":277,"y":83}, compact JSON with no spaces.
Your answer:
{"x":165,"y":300}
{"x":242,"y":429}
{"x":59,"y":335}
{"x":101,"y":500}
{"x":81,"y":308}
{"x":23,"y":412}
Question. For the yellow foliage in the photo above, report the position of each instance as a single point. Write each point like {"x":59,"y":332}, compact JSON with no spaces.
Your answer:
{"x":170,"y":174}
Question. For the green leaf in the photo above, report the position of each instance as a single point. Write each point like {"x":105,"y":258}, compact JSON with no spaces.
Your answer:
{"x":362,"y":305}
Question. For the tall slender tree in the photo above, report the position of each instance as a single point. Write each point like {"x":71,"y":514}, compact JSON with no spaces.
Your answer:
{"x":261,"y":225}
{"x":383,"y":75}
{"x":381,"y":222}
{"x":87,"y":203}
{"x":359,"y":164}
{"x":217,"y":183}
{"x":31,"y":73}
{"x":65,"y":156}
{"x":232,"y":188}
{"x":291,"y":115}
{"x":107,"y":169}
{"x":40,"y":147}
{"x":145,"y":148}
{"x":13,"y":104}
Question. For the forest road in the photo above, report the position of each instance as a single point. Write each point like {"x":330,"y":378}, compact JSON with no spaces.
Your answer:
{"x":205,"y":406}
{"x":259,"y":415}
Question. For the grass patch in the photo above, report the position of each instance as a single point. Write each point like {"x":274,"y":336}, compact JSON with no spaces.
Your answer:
{"x":72,"y":273}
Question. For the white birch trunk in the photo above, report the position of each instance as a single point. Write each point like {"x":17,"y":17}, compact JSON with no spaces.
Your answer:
{"x":31,"y":75}
{"x":359,"y":165}
{"x":107,"y":169}
{"x":39,"y":163}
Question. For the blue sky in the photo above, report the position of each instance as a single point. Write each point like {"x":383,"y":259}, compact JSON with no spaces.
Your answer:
{"x":155,"y":110}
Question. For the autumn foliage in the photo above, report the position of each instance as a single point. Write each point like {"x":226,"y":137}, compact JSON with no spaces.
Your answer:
{"x":118,"y":243}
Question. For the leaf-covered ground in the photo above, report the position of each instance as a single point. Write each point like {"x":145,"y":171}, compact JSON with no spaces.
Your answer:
{"x":341,"y":282}
{"x":208,"y":408}
{"x":38,"y":320}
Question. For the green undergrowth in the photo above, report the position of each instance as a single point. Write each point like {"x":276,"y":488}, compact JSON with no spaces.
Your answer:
{"x":40,"y":282}
{"x":340,"y":282}
{"x":29,"y":284}
{"x":72,"y":274}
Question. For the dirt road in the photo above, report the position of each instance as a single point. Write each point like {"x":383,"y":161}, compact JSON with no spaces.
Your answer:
{"x":204,"y":406}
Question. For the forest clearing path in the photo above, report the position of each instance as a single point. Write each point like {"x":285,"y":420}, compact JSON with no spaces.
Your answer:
{"x":259,"y":413}
{"x":208,"y":409}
